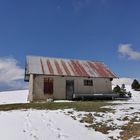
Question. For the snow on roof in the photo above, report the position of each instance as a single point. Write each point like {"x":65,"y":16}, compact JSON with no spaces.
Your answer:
{"x":66,"y":67}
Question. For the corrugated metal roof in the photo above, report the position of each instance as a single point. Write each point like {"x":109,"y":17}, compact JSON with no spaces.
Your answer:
{"x":66,"y":67}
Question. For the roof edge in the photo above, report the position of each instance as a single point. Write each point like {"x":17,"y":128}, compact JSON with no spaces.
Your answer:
{"x":51,"y":57}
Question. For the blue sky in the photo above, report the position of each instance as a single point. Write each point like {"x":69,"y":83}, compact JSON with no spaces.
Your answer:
{"x":104,"y":30}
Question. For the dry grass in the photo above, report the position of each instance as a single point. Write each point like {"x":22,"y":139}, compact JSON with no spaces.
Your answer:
{"x":126,"y":118}
{"x":130,"y":130}
{"x":102,"y":127}
{"x":87,"y":106}
{"x":87,"y":119}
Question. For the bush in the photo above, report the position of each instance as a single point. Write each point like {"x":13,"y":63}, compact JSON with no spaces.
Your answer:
{"x":123,"y":86}
{"x":135,"y":85}
{"x":122,"y":91}
{"x":117,"y":89}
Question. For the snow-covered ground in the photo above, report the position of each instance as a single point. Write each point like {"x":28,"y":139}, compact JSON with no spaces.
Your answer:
{"x":9,"y":97}
{"x":123,"y":112}
{"x":62,"y":125}
{"x":39,"y":124}
{"x":43,"y":125}
{"x":124,"y":80}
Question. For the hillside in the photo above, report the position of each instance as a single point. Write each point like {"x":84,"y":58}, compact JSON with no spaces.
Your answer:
{"x":119,"y":120}
{"x":9,"y":97}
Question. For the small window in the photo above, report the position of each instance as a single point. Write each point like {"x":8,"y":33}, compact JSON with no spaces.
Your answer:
{"x":88,"y":83}
{"x":48,"y":86}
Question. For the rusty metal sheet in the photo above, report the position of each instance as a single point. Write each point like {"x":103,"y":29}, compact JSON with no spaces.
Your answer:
{"x":58,"y":67}
{"x":67,"y":67}
{"x":49,"y":67}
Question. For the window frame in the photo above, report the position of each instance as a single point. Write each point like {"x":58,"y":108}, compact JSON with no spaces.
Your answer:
{"x":88,"y":82}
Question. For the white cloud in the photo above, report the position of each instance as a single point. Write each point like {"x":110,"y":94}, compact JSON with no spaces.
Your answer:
{"x":127,"y":51}
{"x":9,"y":70}
{"x":11,"y":75}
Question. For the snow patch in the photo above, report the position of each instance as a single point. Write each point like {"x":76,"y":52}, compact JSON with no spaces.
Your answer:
{"x":10,"y":97}
{"x":120,"y":81}
{"x":42,"y":125}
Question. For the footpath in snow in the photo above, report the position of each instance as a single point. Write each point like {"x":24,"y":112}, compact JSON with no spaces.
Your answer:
{"x":40,"y":124}
{"x":43,"y":125}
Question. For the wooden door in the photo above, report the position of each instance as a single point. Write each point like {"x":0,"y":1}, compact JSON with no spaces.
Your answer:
{"x":69,"y":89}
{"x":48,"y":86}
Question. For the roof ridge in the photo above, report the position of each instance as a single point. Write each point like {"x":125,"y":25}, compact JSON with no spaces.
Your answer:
{"x":75,"y":59}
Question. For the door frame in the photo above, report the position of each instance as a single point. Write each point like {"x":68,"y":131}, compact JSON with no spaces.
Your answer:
{"x":72,"y":81}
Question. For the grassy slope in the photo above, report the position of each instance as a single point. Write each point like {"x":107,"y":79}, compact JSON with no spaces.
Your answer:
{"x":129,"y":130}
{"x":79,"y":106}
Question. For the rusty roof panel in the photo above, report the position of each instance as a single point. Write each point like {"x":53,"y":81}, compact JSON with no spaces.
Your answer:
{"x":42,"y":66}
{"x":84,"y":72}
{"x":58,"y":67}
{"x":67,"y":67}
{"x":51,"y":71}
{"x":72,"y":69}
